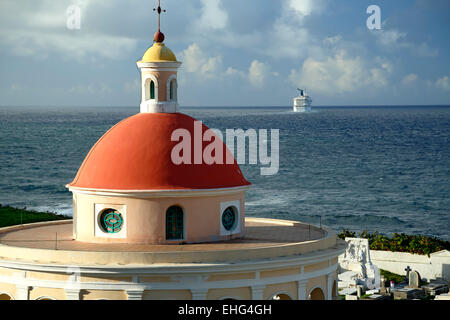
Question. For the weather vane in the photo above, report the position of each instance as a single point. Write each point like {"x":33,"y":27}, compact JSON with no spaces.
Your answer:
{"x":159,"y":10}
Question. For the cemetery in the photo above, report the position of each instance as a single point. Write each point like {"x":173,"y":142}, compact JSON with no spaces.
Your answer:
{"x":360,"y":277}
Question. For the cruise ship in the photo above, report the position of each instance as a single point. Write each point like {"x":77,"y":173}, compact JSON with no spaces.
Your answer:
{"x":302,"y":103}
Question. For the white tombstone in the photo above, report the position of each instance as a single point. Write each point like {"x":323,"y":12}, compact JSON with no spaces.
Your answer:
{"x":356,"y":266}
{"x":444,"y":296}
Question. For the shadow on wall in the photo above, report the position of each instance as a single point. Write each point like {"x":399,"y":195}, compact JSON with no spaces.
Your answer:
{"x":446,"y":271}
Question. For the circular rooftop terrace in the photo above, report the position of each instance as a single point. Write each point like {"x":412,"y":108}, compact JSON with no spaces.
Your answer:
{"x":51,"y":242}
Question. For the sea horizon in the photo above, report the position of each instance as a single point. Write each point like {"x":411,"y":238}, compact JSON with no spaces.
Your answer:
{"x":238,"y":107}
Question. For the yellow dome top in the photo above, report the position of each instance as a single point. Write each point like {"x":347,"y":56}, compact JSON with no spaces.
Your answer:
{"x":159,"y":53}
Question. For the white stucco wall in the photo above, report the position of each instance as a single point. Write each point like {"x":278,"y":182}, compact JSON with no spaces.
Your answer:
{"x":435,"y":266}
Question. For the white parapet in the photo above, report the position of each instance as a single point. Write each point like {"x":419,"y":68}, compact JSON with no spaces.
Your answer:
{"x":437,"y":265}
{"x":152,"y":106}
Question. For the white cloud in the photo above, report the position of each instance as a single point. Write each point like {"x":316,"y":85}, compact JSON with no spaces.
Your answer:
{"x":332,"y":40}
{"x":395,"y":39}
{"x":289,"y":37}
{"x":205,"y":67}
{"x":234,"y":72}
{"x":305,"y":8}
{"x":442,"y":83}
{"x":384,"y":64}
{"x":240,"y":51}
{"x":285,"y":38}
{"x":41,"y":30}
{"x":258,"y":73}
{"x":389,"y":38}
{"x":424,"y":50}
{"x":290,"y":42}
{"x":195,"y":60}
{"x":341,"y":74}
{"x":377,"y":78}
{"x":213,"y":15}
{"x":80,"y":47}
{"x":409,"y":79}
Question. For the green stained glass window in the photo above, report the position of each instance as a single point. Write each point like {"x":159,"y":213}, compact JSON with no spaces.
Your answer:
{"x":152,"y":90}
{"x":174,"y":223}
{"x":111,"y":221}
{"x":229,"y":218}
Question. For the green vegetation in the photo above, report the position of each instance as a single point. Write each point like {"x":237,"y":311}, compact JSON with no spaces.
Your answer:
{"x":12,"y":216}
{"x":389,"y":276}
{"x":400,"y":242}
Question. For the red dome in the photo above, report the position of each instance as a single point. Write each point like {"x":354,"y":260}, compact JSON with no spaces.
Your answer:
{"x":135,"y":154}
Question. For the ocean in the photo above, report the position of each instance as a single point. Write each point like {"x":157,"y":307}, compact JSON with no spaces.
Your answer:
{"x":384,"y":169}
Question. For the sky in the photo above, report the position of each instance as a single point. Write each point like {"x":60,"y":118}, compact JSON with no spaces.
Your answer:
{"x":234,"y":52}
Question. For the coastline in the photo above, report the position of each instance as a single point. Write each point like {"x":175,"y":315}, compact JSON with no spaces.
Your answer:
{"x":10,"y":216}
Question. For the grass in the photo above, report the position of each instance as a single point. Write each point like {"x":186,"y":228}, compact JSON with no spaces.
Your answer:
{"x":389,"y":276}
{"x":10,"y":216}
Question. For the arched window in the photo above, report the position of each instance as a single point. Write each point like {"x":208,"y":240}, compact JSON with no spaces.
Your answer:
{"x":152,"y":90}
{"x":5,"y":296}
{"x":173,"y":90}
{"x":281,"y":296}
{"x":317,"y":294}
{"x":45,"y":298}
{"x":174,"y":223}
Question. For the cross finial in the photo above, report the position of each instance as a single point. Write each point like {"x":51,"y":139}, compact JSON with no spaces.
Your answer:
{"x":159,"y":10}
